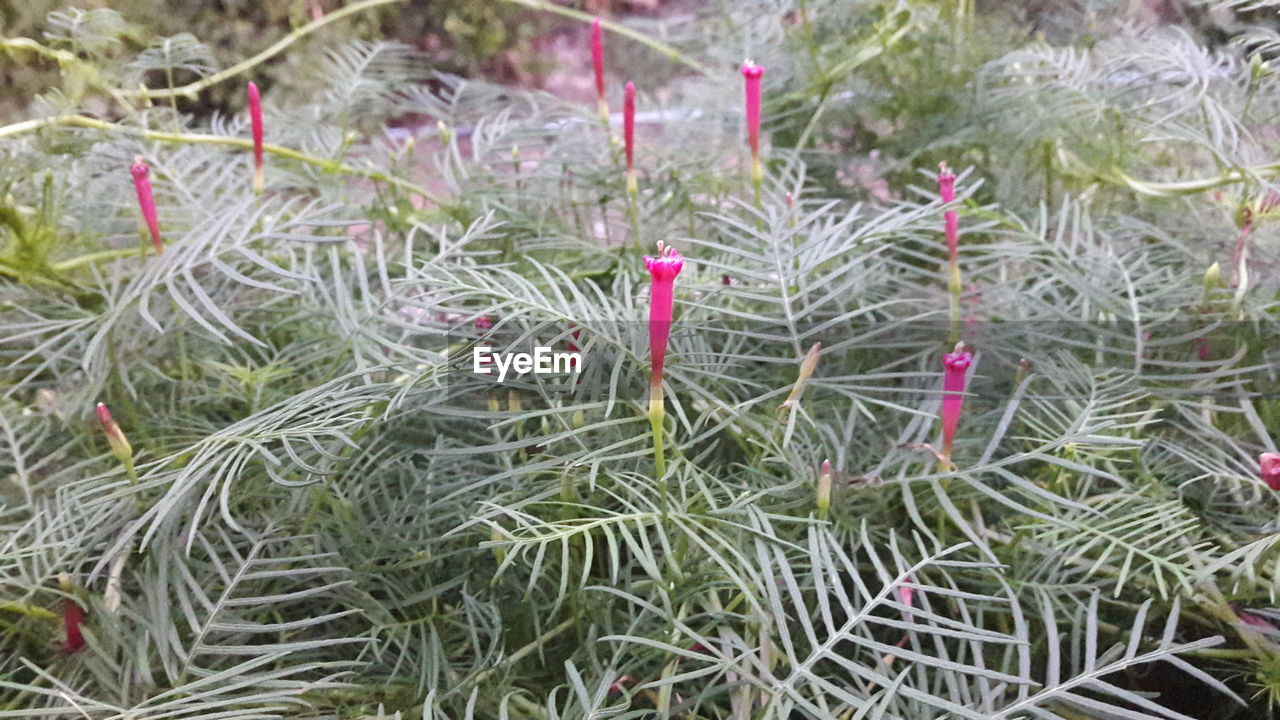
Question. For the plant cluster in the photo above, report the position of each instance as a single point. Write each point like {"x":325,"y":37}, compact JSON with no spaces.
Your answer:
{"x":864,"y":437}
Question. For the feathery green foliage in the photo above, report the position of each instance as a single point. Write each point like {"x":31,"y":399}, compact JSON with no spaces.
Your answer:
{"x":332,"y":517}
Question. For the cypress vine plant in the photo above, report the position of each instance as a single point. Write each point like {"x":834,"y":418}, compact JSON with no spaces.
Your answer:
{"x":252,"y":466}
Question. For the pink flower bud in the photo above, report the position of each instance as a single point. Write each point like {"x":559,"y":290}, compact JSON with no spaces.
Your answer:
{"x":72,"y":619}
{"x":907,"y":593}
{"x":1256,"y":621}
{"x":752,"y":74}
{"x":255,"y":119}
{"x":617,"y":686}
{"x":146,"y":201}
{"x":663,"y":271}
{"x":1270,"y":465}
{"x":597,"y":63}
{"x":629,"y":125}
{"x":484,"y":322}
{"x":956,"y":366}
{"x":947,"y":189}
{"x":115,"y":438}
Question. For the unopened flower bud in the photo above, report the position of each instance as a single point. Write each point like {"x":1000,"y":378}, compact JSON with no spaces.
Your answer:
{"x":1212,"y":278}
{"x":255,"y":120}
{"x":1269,"y":463}
{"x":824,"y":490}
{"x":115,"y":437}
{"x":141,"y":173}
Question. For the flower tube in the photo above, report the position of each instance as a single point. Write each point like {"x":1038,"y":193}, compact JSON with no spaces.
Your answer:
{"x":752,"y":73}
{"x":663,"y":270}
{"x":255,"y":119}
{"x":956,"y":366}
{"x":146,"y":201}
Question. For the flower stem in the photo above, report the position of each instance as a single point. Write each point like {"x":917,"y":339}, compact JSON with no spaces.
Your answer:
{"x":190,"y":90}
{"x":757,"y":179}
{"x":657,"y":413}
{"x":954,"y":286}
{"x":633,"y":206}
{"x":328,"y":165}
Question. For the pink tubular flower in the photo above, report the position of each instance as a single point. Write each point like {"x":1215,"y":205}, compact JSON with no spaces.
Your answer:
{"x":629,"y":134}
{"x":597,"y":63}
{"x":1270,"y":466}
{"x":956,"y":366}
{"x":255,"y":119}
{"x":752,"y":74}
{"x":663,"y":271}
{"x":146,"y":201}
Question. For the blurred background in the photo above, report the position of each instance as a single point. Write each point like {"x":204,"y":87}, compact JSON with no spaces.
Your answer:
{"x":503,"y":42}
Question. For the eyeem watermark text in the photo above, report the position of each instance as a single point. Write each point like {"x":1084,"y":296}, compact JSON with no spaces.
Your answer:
{"x":542,"y":361}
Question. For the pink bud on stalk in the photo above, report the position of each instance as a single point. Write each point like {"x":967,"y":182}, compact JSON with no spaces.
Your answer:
{"x":146,"y":201}
{"x":597,"y":63}
{"x":663,"y":270}
{"x":72,"y":619}
{"x":629,"y":135}
{"x":1270,"y":467}
{"x":752,"y":74}
{"x":115,"y":437}
{"x":956,"y":365}
{"x":255,"y":119}
{"x":907,"y":593}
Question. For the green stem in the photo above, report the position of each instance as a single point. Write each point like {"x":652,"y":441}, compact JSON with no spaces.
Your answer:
{"x":91,"y":258}
{"x":325,"y":164}
{"x":658,"y":413}
{"x":1187,"y":187}
{"x":954,"y":286}
{"x":757,"y":180}
{"x":633,"y":207}
{"x":190,"y":90}
{"x":525,"y":651}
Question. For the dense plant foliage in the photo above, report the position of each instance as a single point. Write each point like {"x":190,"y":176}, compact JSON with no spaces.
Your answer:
{"x":298,"y":500}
